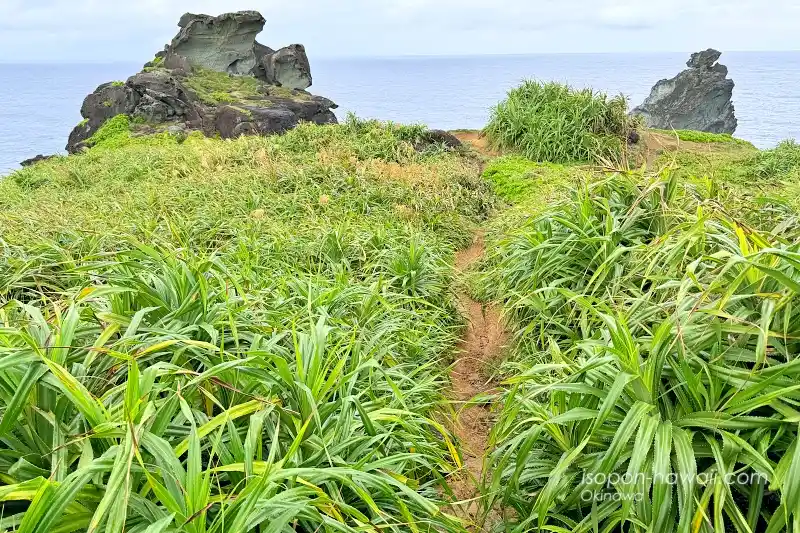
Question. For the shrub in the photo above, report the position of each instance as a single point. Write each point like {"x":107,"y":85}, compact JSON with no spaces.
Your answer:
{"x":656,"y":376}
{"x":556,"y":123}
{"x":779,"y":162}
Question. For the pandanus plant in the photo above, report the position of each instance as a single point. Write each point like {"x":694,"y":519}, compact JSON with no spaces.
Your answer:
{"x":658,"y":372}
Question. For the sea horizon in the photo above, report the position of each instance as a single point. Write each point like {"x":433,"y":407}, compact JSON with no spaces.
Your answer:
{"x":443,"y":91}
{"x":317,"y":57}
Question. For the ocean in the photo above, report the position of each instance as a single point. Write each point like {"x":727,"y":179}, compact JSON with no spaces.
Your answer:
{"x":41,"y":103}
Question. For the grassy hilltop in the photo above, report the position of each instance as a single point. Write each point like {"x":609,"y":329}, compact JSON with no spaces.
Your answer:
{"x":268,"y":333}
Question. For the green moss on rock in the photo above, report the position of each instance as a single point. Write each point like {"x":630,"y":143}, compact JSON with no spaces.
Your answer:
{"x":214,"y":88}
{"x":217,"y":87}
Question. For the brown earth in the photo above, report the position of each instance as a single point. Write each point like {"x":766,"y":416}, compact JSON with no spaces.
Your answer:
{"x":476,"y":140}
{"x":481,"y":345}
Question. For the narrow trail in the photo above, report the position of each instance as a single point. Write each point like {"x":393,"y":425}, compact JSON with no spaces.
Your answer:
{"x":482,"y":344}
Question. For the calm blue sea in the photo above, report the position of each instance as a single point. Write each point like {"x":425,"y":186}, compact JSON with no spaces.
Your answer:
{"x":41,"y":103}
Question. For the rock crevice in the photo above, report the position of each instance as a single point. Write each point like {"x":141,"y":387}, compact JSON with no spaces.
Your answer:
{"x":699,"y":98}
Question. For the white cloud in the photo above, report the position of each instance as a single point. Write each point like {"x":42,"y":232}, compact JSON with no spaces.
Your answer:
{"x":60,"y":30}
{"x":635,"y":14}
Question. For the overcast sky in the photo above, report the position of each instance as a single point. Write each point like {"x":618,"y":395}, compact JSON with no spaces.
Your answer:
{"x":132,"y":30}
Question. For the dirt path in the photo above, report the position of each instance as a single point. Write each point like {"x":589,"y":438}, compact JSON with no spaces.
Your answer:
{"x":477,"y":141}
{"x":481,"y":345}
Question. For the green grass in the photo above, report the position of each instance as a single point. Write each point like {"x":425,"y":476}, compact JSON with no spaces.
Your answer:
{"x":782,"y":162}
{"x":656,"y":335}
{"x":247,"y":335}
{"x":748,"y":181}
{"x":704,"y":137}
{"x":552,"y":122}
{"x":113,"y":131}
{"x":517,"y":179}
{"x":216,"y":88}
{"x":255,"y":335}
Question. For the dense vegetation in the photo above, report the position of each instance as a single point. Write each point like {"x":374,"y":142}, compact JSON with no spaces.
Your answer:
{"x":655,"y":362}
{"x":199,"y":335}
{"x":782,"y":162}
{"x":254,"y":335}
{"x":556,"y":123}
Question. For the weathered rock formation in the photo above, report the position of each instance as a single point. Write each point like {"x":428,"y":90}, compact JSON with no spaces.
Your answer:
{"x":698,"y":98}
{"x":288,"y":67}
{"x":214,"y":78}
{"x":225,"y":43}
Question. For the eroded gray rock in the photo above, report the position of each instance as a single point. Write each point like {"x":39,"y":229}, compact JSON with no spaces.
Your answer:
{"x":174,"y":94}
{"x":444,"y":138}
{"x":704,"y":59}
{"x":107,"y":101}
{"x":225,"y":43}
{"x":156,"y":97}
{"x":162,"y":97}
{"x":36,"y":159}
{"x":261,"y":52}
{"x":308,"y":108}
{"x":699,"y":98}
{"x":288,"y":67}
{"x":233,"y":122}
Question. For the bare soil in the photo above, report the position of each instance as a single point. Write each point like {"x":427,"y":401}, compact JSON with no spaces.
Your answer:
{"x":482,"y":345}
{"x":476,"y":141}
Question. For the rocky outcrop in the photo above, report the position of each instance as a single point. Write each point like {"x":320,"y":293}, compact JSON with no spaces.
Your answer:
{"x":107,"y":101}
{"x":175,"y":92}
{"x":288,"y":67}
{"x":159,"y":96}
{"x":261,"y":52}
{"x":440,"y":138}
{"x":225,"y":43}
{"x":283,"y":115}
{"x":36,"y":159}
{"x":235,"y":121}
{"x":698,"y":98}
